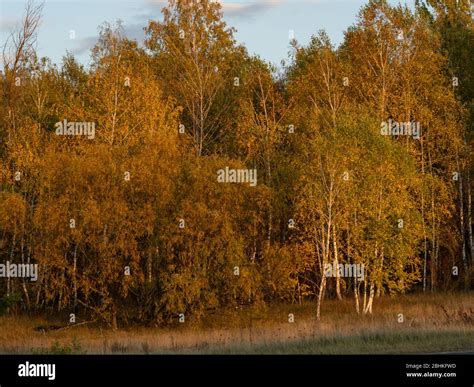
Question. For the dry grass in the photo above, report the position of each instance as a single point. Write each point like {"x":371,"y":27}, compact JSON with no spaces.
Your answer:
{"x":431,"y":323}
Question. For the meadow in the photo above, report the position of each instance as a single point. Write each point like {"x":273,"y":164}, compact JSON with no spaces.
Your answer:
{"x":439,"y":323}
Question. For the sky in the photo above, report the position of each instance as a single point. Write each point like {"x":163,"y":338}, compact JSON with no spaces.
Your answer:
{"x":262,"y":25}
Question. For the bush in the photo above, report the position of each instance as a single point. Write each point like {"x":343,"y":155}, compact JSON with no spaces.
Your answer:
{"x":8,"y":301}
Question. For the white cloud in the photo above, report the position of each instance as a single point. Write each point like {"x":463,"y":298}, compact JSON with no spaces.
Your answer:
{"x":234,"y":9}
{"x":83,"y":45}
{"x":7,"y":25}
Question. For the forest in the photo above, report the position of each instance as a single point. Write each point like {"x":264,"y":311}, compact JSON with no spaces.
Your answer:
{"x":181,"y":175}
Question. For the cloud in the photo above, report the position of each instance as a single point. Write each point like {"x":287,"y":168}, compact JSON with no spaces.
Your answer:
{"x":229,"y":8}
{"x":253,"y":7}
{"x":152,"y":10}
{"x":233,"y":9}
{"x":7,"y":24}
{"x":131,"y":31}
{"x":83,"y":45}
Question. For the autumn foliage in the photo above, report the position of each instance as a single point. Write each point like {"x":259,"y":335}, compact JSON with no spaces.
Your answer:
{"x":131,"y":225}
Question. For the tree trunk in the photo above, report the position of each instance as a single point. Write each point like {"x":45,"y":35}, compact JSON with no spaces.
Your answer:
{"x":368,"y":307}
{"x":425,"y":239}
{"x":469,"y":215}
{"x":74,"y":278}
{"x":356,"y":294}
{"x":461,"y":220}
{"x":322,"y":287}
{"x":336,"y":261}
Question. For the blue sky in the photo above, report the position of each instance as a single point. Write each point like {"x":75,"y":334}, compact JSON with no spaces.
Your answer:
{"x":262,"y":25}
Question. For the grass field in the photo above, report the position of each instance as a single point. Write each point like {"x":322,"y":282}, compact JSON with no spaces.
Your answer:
{"x":431,"y":323}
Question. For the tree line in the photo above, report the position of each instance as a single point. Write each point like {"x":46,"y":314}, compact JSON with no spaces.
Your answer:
{"x":363,"y":154}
